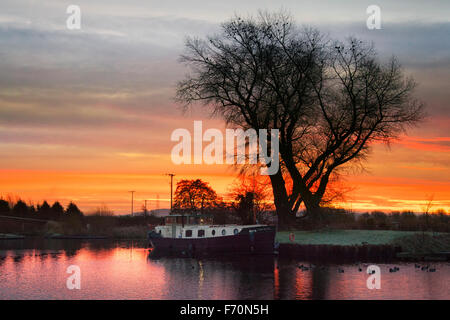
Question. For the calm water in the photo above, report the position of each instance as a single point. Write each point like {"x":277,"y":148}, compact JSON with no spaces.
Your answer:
{"x":124,"y":270}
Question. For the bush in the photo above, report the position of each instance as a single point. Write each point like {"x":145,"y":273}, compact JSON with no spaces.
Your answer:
{"x":136,"y":232}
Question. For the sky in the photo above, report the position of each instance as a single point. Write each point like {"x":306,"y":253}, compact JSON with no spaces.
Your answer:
{"x":86,"y":115}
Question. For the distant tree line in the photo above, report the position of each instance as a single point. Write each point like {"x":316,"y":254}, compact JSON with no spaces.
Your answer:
{"x":438,"y":221}
{"x":55,"y":212}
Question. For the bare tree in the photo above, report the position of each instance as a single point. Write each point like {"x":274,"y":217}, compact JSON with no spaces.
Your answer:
{"x":329,"y":100}
{"x":252,"y":196}
{"x":426,"y":211}
{"x":103,"y":210}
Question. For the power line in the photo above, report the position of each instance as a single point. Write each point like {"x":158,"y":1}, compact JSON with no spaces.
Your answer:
{"x":171,"y":175}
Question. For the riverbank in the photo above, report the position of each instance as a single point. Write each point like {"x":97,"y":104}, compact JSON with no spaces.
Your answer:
{"x":9,"y":236}
{"x":115,"y":233}
{"x":337,"y":245}
{"x":344,"y":237}
{"x":364,"y":245}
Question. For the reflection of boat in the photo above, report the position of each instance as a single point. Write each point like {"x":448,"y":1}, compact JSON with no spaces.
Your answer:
{"x":249,"y":263}
{"x":194,"y":234}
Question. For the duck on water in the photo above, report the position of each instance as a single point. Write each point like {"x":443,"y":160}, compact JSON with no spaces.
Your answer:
{"x":197,"y":234}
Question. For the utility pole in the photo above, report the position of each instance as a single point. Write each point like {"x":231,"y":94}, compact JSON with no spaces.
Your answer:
{"x":132,"y":201}
{"x":145,"y":207}
{"x":171,"y":175}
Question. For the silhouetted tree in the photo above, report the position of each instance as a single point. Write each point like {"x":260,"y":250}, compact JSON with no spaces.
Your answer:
{"x":4,"y":208}
{"x":245,"y":206}
{"x":57,"y":211}
{"x":194,"y":196}
{"x":44,"y":211}
{"x":380,"y":218}
{"x":103,"y":210}
{"x":251,"y":194}
{"x":72,"y":210}
{"x":73,"y":217}
{"x":32,"y":213}
{"x":443,"y":220}
{"x":20,"y":209}
{"x":329,"y":100}
{"x":408,"y":220}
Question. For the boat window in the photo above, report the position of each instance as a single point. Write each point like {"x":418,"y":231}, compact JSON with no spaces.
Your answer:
{"x":235,"y":231}
{"x":188,"y":233}
{"x":224,"y":232}
{"x":213,"y":232}
{"x":201,"y":233}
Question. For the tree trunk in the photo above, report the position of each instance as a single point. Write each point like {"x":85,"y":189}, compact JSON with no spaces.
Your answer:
{"x":285,"y":216}
{"x":314,"y":211}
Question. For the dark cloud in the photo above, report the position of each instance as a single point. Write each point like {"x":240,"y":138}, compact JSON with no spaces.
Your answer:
{"x":121,"y":70}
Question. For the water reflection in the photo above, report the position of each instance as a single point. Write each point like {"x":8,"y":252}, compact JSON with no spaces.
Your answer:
{"x":36,"y":269}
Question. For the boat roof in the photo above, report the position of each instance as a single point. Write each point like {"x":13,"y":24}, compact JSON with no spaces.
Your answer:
{"x":197,"y":226}
{"x":188,"y":215}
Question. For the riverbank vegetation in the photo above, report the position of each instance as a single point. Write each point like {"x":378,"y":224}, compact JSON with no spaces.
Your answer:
{"x":411,"y":241}
{"x":120,"y":227}
{"x":331,"y":218}
{"x":20,"y":218}
{"x":334,"y":226}
{"x":364,"y":245}
{"x":424,"y":243}
{"x":42,"y":211}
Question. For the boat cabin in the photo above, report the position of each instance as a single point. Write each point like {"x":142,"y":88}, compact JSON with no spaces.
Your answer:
{"x":195,"y":226}
{"x":183,"y":219}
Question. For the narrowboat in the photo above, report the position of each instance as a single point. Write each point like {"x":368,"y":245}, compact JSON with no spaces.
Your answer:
{"x":193,"y":234}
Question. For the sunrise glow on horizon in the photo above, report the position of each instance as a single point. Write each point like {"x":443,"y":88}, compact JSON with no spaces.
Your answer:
{"x":86,"y":116}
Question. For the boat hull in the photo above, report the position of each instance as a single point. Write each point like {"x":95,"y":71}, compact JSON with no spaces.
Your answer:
{"x":255,"y":240}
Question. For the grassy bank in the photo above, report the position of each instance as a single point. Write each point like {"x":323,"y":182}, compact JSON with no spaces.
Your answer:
{"x":365,"y":244}
{"x":344,"y":237}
